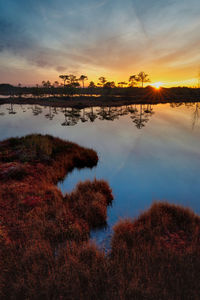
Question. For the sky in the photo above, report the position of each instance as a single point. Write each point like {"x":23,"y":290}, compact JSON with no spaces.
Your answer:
{"x":41,"y":39}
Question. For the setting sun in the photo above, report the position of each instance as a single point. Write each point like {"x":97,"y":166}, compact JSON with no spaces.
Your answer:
{"x":157,"y":85}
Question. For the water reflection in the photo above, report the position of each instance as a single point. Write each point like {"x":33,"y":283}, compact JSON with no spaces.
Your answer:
{"x":140,"y":114}
{"x":195,"y":115}
{"x":161,"y":161}
{"x":11,"y":110}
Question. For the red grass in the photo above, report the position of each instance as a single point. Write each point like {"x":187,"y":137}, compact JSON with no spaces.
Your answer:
{"x":44,"y":248}
{"x":157,"y":256}
{"x":89,"y":201}
{"x":36,"y":219}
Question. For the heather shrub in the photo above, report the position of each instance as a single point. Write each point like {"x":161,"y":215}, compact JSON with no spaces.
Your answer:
{"x":15,"y":171}
{"x":156,"y":256}
{"x":45,"y":251}
{"x":84,"y":273}
{"x":90,"y":200}
{"x":42,"y":234}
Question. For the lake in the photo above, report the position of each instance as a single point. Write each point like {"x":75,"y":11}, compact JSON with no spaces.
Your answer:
{"x":147,"y":153}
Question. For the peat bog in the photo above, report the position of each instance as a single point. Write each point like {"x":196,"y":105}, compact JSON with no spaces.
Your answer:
{"x":45,"y":250}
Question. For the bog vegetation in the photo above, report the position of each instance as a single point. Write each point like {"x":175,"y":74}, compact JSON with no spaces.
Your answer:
{"x":45,"y":251}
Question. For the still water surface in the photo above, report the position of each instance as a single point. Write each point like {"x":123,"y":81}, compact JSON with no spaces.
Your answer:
{"x":146,"y":153}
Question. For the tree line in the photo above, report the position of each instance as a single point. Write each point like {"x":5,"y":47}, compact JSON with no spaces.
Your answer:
{"x":72,"y":85}
{"x":74,"y":81}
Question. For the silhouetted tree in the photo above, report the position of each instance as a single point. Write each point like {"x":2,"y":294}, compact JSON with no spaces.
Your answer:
{"x":133,"y":79}
{"x":56,"y":84}
{"x":102,"y":81}
{"x":46,"y":84}
{"x":91,"y":84}
{"x":109,"y":85}
{"x":143,"y":77}
{"x":64,"y":78}
{"x":73,"y":81}
{"x":82,"y":79}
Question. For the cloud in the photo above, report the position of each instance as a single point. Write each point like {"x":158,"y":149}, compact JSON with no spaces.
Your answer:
{"x":107,"y":35}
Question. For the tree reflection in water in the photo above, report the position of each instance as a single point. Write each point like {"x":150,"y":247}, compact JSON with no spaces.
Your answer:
{"x":36,"y":110}
{"x":23,"y":108}
{"x":83,"y":117}
{"x":140,"y":114}
{"x":195,"y":116}
{"x":50,"y":115}
{"x":91,"y":115}
{"x":11,"y":109}
{"x":72,"y":116}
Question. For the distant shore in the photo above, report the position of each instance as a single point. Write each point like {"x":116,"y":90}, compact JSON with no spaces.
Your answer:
{"x":82,"y":98}
{"x":84,"y":101}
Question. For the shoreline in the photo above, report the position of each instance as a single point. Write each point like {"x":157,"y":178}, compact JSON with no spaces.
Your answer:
{"x":84,"y":102}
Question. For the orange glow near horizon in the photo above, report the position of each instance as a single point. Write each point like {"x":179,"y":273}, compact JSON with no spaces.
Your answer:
{"x":157,"y":85}
{"x":157,"y":80}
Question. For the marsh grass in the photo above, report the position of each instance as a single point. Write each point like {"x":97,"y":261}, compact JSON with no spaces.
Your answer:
{"x":45,"y":251}
{"x":157,"y":256}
